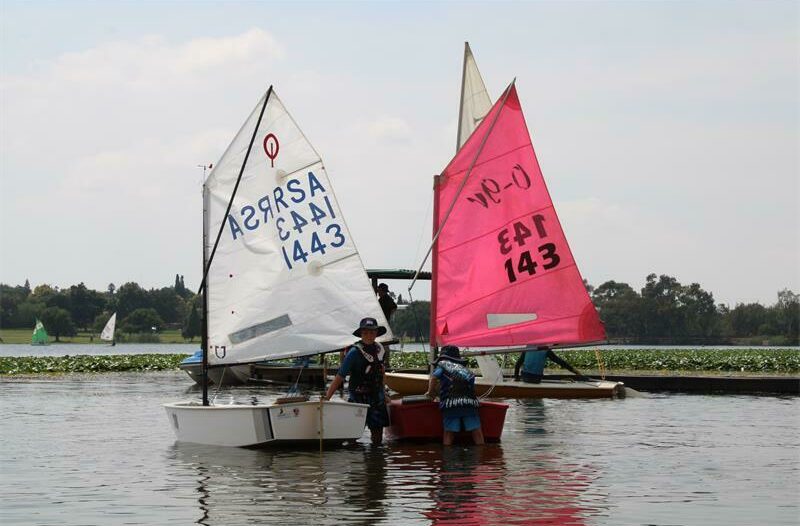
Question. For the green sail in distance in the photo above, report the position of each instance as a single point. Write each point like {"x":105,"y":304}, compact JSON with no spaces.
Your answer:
{"x":40,"y":336}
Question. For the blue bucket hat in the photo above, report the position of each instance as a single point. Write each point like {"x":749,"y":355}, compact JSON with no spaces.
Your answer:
{"x":369,"y":323}
{"x":450,"y":352}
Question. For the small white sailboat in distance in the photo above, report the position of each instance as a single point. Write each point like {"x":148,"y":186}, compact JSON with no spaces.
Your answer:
{"x":282,"y":278}
{"x":108,"y":331}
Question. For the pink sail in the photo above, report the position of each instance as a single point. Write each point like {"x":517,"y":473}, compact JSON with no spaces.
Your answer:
{"x":503,"y":271}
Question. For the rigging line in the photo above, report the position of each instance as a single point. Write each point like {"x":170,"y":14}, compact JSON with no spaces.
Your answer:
{"x":422,"y":230}
{"x":293,"y":389}
{"x":221,"y":381}
{"x":416,"y":321}
{"x":235,"y":188}
{"x":464,"y":180}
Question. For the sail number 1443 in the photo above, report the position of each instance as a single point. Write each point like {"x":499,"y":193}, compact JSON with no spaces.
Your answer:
{"x":519,"y":234}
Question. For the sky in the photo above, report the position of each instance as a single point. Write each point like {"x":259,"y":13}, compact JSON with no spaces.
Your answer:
{"x":668,"y":132}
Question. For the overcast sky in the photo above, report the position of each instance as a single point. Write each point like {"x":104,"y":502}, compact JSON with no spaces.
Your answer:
{"x":667,"y":132}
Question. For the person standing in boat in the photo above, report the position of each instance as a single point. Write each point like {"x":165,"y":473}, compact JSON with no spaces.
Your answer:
{"x":532,"y":362}
{"x":457,"y":399}
{"x":388,"y":306}
{"x":365,"y":364}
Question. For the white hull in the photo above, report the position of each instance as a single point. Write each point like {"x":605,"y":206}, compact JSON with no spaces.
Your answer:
{"x":255,"y":425}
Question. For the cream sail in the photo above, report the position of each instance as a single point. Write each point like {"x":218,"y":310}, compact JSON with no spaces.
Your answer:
{"x":475,"y":100}
{"x":286,"y":279}
{"x":108,"y":331}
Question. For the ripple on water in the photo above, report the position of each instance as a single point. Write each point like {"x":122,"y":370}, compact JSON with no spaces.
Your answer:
{"x":96,"y":449}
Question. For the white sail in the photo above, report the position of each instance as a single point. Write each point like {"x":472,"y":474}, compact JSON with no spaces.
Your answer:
{"x":475,"y":100}
{"x":108,"y":330}
{"x":286,"y":279}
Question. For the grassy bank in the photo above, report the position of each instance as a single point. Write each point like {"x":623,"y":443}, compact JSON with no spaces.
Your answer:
{"x":652,"y":361}
{"x":167,"y":336}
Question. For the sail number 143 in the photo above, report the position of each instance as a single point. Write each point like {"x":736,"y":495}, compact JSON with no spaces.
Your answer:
{"x":518,"y":234}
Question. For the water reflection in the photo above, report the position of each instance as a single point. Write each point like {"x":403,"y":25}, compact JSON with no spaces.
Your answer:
{"x":407,"y":483}
{"x":96,"y":449}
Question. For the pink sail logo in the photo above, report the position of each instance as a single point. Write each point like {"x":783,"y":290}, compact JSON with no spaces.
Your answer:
{"x":271,"y":147}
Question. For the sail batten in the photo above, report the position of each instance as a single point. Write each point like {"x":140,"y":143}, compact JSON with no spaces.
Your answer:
{"x":505,"y":272}
{"x":284,"y":281}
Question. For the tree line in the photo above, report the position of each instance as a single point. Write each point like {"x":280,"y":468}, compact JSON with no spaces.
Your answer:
{"x":64,"y":311}
{"x":663,"y":312}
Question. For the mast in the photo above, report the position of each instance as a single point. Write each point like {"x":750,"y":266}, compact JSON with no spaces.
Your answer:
{"x":207,"y":259}
{"x":434,"y":351}
{"x":204,"y":327}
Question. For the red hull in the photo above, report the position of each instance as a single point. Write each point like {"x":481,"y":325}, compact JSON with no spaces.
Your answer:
{"x":424,"y":420}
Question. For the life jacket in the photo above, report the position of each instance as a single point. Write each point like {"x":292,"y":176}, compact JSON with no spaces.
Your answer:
{"x":368,"y":379}
{"x":459,"y":390}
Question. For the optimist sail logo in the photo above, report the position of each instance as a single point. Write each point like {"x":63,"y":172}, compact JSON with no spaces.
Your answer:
{"x":271,"y":147}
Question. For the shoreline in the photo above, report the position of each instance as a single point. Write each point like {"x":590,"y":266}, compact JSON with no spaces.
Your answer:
{"x":652,"y":362}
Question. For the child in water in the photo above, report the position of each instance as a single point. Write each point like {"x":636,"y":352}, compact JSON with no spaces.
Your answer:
{"x":457,"y":399}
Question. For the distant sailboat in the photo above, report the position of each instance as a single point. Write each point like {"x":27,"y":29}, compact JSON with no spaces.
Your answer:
{"x":40,"y":336}
{"x":108,"y":331}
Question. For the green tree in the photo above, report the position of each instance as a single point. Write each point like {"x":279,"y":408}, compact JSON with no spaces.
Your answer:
{"x":169,"y":305}
{"x":747,"y":318}
{"x":26,"y":314}
{"x":413,"y":321}
{"x":142,"y":321}
{"x":192,"y":327}
{"x":85,"y":305}
{"x":10,"y":300}
{"x":662,"y":318}
{"x":43,"y":293}
{"x":699,"y":312}
{"x":787,"y":315}
{"x":130,"y":297}
{"x":619,"y":307}
{"x":58,"y":322}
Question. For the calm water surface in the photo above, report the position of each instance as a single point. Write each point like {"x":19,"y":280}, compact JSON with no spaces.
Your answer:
{"x":97,"y":449}
{"x":72,"y":349}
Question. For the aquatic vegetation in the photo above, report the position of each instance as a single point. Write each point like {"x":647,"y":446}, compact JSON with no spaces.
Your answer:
{"x":746,"y":360}
{"x":89,"y":363}
{"x":743,"y":360}
{"x":665,"y":360}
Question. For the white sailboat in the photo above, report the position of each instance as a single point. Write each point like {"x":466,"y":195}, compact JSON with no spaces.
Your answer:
{"x":108,"y":331}
{"x":282,"y":278}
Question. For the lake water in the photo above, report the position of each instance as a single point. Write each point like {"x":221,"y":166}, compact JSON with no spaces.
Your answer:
{"x":97,"y":449}
{"x":73,"y":349}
